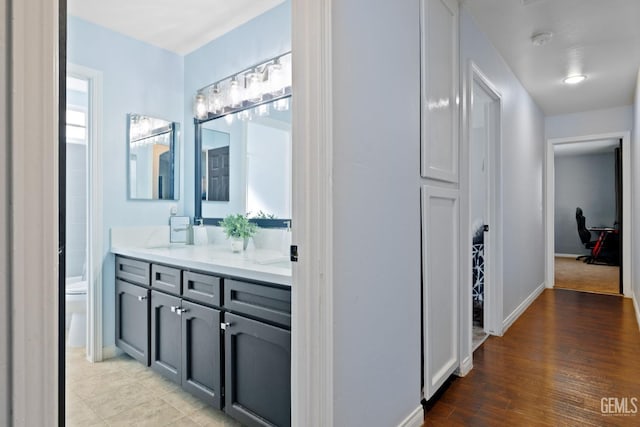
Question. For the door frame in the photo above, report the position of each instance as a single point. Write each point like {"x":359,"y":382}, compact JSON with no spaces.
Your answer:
{"x":34,"y":326}
{"x":549,"y":182}
{"x":94,"y":342}
{"x":493,"y":268}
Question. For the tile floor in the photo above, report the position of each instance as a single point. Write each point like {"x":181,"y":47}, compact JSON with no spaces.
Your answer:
{"x":122,"y":392}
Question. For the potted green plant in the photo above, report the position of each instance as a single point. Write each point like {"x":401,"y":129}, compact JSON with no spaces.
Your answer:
{"x":239,"y":229}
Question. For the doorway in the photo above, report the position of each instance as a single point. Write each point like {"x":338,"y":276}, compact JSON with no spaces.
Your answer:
{"x":84,"y":200}
{"x":588,"y":216}
{"x":484,"y":134}
{"x":617,"y":139}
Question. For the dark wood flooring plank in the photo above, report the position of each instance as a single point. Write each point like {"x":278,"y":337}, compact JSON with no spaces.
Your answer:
{"x":552,"y":367}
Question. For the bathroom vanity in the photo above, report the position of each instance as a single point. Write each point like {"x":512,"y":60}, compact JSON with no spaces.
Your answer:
{"x":218,"y":324}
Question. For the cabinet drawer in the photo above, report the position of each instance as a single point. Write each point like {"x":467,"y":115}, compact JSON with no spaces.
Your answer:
{"x":263,"y":302}
{"x":201,"y":288}
{"x":132,"y":270}
{"x":165,"y":279}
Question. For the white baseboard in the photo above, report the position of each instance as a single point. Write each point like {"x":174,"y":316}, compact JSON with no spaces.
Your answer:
{"x":569,"y":255}
{"x":521,"y":308}
{"x":637,"y":308}
{"x":110,"y":352}
{"x":415,"y":419}
{"x":465,"y":367}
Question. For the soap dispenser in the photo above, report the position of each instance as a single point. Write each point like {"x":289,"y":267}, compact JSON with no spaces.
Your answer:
{"x":200,"y":237}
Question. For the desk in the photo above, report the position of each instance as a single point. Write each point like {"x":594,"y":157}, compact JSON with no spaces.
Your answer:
{"x":604,"y":232}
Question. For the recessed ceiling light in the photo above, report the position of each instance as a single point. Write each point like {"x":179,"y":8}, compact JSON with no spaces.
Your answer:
{"x":540,"y":39}
{"x":572,"y":80}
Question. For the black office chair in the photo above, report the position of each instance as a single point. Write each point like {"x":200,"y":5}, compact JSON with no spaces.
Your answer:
{"x":585,"y":235}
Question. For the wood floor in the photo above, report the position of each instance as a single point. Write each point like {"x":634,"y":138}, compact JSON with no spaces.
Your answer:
{"x":551,"y":368}
{"x":573,"y":274}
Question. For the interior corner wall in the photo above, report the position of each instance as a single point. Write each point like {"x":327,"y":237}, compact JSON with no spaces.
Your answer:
{"x":137,"y":78}
{"x":635,"y":191}
{"x":522,"y":168}
{"x":376,"y":199}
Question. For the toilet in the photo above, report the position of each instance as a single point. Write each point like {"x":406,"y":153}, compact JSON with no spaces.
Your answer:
{"x":76,"y":310}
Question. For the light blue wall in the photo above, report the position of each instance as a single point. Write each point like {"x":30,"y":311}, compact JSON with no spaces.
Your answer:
{"x":262,"y":38}
{"x":137,"y":77}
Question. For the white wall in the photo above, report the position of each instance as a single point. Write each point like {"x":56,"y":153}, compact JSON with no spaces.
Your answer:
{"x":522,"y":166}
{"x":376,"y":211}
{"x":635,"y":188}
{"x":589,"y":122}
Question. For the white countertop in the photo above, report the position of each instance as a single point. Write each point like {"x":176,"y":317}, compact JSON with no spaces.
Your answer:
{"x":253,"y":264}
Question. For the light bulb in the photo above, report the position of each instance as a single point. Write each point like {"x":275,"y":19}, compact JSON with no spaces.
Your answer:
{"x":215,"y":100}
{"x":234,"y":92}
{"x":252,"y":80}
{"x":229,"y":119}
{"x":200,"y":107}
{"x":276,"y":78}
{"x":573,"y":80}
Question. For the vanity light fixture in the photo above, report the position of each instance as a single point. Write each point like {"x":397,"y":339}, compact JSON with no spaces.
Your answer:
{"x":258,"y":85}
{"x":574,"y":79}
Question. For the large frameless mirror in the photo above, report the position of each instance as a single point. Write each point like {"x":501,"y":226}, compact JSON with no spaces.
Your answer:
{"x":152,"y":158}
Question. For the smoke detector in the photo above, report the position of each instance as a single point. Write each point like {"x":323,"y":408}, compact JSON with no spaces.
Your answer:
{"x":540,"y":39}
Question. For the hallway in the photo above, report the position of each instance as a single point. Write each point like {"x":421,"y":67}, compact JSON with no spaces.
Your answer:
{"x":553,"y":366}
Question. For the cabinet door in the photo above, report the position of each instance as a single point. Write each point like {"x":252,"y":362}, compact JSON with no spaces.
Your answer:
{"x":165,"y":336}
{"x":439,"y":87}
{"x":257,"y":372}
{"x":440,"y":249}
{"x":132,"y":320}
{"x":201,"y":368}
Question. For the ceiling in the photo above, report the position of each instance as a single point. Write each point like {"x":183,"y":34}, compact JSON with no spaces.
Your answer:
{"x":594,"y":37}
{"x":179,"y":26}
{"x":587,"y":147}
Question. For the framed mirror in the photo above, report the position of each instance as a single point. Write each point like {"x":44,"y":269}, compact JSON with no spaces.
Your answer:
{"x":152,"y":146}
{"x":243,"y":164}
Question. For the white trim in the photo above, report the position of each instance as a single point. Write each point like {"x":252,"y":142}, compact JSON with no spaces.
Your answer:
{"x":110,"y":352}
{"x":494,"y":260}
{"x":465,"y":366}
{"x":522,"y":308}
{"x":414,"y":419}
{"x":627,"y":221}
{"x":94,"y":217}
{"x":637,"y":309}
{"x":568,"y":255}
{"x":312,"y":211}
{"x":34,"y":212}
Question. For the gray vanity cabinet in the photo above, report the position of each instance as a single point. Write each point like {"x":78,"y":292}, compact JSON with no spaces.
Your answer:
{"x":201,"y":355}
{"x":166,"y":326}
{"x":132,"y":320}
{"x":185,"y":345}
{"x":257,"y":372}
